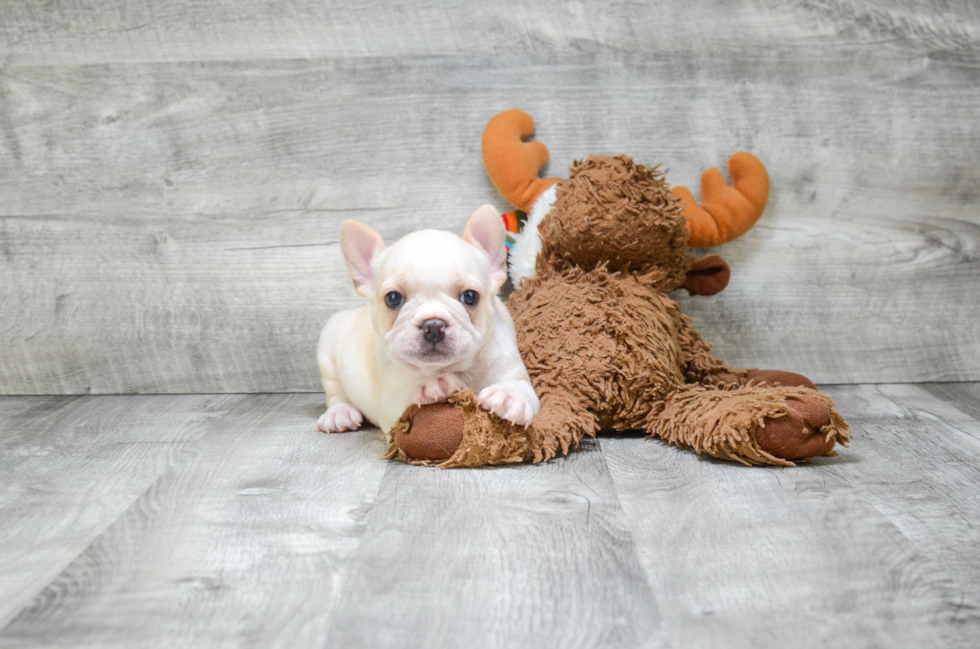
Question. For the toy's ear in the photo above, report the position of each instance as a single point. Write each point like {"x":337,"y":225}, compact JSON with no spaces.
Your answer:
{"x":486,"y":231}
{"x":708,"y":275}
{"x":361,"y":246}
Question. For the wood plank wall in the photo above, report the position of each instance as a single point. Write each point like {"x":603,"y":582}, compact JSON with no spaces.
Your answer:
{"x":173,"y":173}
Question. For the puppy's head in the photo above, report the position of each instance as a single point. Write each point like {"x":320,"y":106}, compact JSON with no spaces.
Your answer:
{"x":432,"y":293}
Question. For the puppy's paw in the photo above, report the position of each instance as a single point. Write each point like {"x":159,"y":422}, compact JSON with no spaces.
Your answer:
{"x":436,"y":389}
{"x":339,"y":418}
{"x":514,"y":401}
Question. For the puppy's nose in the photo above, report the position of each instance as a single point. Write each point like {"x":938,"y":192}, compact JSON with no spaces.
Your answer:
{"x":434,"y":330}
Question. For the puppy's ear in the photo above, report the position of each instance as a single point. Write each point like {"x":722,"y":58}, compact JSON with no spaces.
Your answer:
{"x":361,"y":246}
{"x":486,"y":231}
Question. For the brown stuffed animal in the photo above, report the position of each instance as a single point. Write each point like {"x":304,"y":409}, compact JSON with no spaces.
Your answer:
{"x":606,"y":347}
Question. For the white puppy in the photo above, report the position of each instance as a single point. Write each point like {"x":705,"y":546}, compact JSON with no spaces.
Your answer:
{"x":434,"y":325}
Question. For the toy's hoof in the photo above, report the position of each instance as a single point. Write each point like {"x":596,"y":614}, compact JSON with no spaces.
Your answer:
{"x":778,"y":377}
{"x":797,"y":435}
{"x":435,"y":433}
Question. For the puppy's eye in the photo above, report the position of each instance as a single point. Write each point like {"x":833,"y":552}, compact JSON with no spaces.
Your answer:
{"x":469,"y":298}
{"x":394,"y":299}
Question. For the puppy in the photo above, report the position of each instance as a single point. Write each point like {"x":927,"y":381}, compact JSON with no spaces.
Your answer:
{"x":433,"y":325}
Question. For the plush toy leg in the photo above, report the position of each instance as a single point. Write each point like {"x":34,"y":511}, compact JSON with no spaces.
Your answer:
{"x":560,"y":426}
{"x":750,"y":424}
{"x":458,"y":434}
{"x":778,"y":377}
{"x":461,"y":434}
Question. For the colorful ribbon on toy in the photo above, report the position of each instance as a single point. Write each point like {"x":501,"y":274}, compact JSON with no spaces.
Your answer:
{"x":514,"y":223}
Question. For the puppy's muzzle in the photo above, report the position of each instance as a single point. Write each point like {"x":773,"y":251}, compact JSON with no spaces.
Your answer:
{"x":434,"y":330}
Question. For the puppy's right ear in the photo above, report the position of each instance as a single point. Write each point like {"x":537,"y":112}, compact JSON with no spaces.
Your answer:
{"x":361,"y":247}
{"x":485,"y":230}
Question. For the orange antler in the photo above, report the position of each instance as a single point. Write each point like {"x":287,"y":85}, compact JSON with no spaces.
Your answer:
{"x":513,"y":164}
{"x":726,"y":213}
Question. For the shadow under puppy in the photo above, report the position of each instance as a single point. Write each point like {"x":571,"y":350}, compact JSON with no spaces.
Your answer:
{"x":433,"y":326}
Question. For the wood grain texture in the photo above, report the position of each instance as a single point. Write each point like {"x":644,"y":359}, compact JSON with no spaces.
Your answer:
{"x":875,"y":547}
{"x":110,"y":31}
{"x":923,"y":456}
{"x":239,"y":544}
{"x":71,"y":466}
{"x":173,"y":174}
{"x":513,"y":557}
{"x":241,"y":526}
{"x":963,"y":396}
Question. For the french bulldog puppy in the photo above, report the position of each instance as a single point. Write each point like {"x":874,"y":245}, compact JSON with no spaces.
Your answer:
{"x":433,"y":325}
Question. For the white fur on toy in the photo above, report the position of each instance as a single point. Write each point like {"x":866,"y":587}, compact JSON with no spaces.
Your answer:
{"x":527,"y":243}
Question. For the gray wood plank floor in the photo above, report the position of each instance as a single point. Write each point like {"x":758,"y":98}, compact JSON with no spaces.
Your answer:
{"x":228,"y":521}
{"x":173,"y":174}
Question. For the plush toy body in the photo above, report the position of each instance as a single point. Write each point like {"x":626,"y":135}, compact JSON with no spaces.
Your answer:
{"x":606,"y":347}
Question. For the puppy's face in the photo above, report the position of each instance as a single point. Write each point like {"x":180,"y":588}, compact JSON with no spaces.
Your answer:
{"x":431,"y":292}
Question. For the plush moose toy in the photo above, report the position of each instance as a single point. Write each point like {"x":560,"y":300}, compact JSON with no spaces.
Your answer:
{"x":606,"y":347}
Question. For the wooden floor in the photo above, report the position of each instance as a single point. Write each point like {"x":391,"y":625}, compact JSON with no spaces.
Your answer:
{"x":203,"y":520}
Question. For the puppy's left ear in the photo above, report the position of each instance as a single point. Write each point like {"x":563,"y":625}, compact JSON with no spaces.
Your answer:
{"x":486,"y":231}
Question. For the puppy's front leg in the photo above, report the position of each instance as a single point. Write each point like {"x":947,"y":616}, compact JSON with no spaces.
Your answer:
{"x":437,"y":388}
{"x":340,"y":418}
{"x":513,"y":400}
{"x":341,"y":415}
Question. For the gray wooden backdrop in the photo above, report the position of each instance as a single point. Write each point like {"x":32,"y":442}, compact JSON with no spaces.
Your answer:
{"x":173,"y":173}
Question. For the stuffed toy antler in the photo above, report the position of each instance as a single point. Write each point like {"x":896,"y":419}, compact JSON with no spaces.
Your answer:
{"x":512,"y":163}
{"x":726,"y":211}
